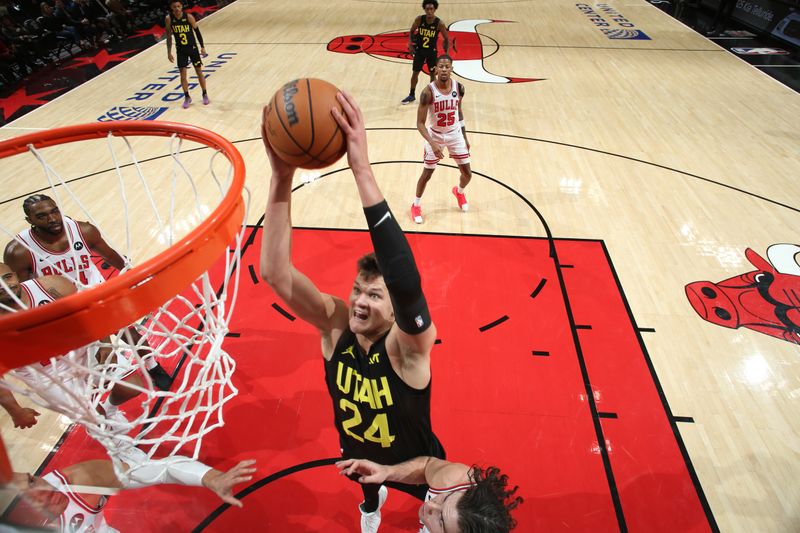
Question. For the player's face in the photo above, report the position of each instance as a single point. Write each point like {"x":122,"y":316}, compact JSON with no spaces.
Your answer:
{"x":10,"y":279}
{"x":440,"y":514}
{"x":429,"y":10}
{"x":443,"y":70}
{"x":370,"y":306}
{"x":44,"y":499}
{"x":177,"y":9}
{"x":46,"y":217}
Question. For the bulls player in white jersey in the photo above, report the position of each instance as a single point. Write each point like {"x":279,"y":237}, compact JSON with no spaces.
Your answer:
{"x":460,"y":498}
{"x":440,"y":121}
{"x":55,"y":498}
{"x":31,"y":293}
{"x":40,"y":376}
{"x":58,"y":245}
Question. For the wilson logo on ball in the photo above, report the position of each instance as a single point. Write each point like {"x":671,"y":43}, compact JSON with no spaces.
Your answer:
{"x":289,"y":90}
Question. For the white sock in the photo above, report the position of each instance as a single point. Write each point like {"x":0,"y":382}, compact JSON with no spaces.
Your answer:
{"x":460,"y":190}
{"x":150,"y":363}
{"x":417,"y":200}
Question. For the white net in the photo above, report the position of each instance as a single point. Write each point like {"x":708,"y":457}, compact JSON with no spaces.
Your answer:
{"x":146,"y":204}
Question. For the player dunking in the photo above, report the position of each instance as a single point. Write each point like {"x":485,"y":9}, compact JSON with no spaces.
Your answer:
{"x":55,"y":244}
{"x":184,"y":27}
{"x":376,"y":345}
{"x":440,"y":108}
{"x":422,"y":43}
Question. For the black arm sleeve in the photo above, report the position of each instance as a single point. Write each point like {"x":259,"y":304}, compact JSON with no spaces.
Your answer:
{"x":399,"y":269}
{"x":199,"y":37}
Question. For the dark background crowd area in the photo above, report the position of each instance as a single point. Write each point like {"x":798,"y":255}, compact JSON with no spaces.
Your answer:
{"x":36,"y":33}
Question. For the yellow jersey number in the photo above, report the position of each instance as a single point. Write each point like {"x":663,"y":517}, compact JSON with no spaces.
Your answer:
{"x":377,"y":432}
{"x":183,"y":39}
{"x":426,"y":42}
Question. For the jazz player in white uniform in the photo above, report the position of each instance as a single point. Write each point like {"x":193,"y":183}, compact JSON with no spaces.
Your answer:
{"x":57,"y":245}
{"x":468,"y":499}
{"x":440,"y":121}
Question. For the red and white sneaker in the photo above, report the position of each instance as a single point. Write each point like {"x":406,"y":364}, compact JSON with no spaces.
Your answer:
{"x":461,"y":198}
{"x":416,"y":213}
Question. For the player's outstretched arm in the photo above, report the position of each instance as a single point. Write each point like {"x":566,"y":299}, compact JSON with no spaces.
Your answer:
{"x":415,"y":336}
{"x":435,"y":472}
{"x":321,"y":310}
{"x":96,"y":243}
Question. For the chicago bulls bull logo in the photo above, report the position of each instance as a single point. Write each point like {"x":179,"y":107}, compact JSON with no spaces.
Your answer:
{"x":766,"y":300}
{"x":466,"y":49}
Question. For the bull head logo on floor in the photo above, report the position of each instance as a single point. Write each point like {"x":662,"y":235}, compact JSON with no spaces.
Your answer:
{"x":466,"y":49}
{"x":766,"y":300}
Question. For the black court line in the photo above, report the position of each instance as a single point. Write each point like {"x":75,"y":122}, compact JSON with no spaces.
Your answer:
{"x":540,"y":354}
{"x":567,"y":266}
{"x":712,"y":522}
{"x":685,"y":419}
{"x":437,"y":341}
{"x":261,"y":483}
{"x":283,"y":311}
{"x":253,"y":276}
{"x":233,"y":335}
{"x":539,"y":288}
{"x":647,"y":330}
{"x":490,"y":325}
{"x":606,"y":415}
{"x":582,"y":326}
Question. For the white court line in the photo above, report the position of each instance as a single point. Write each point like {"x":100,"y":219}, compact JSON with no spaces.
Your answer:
{"x":776,"y":66}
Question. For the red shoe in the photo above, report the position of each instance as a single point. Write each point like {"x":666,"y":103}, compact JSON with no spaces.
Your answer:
{"x":462,"y":199}
{"x":416,"y":213}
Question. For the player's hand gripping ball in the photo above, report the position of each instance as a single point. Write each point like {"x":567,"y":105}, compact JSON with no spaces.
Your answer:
{"x":300,"y":127}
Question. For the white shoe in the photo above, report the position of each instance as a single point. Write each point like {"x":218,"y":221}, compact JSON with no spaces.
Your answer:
{"x":371,"y":521}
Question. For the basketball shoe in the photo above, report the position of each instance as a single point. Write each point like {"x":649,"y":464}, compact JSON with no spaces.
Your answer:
{"x":187,"y":102}
{"x":206,"y":101}
{"x":461,"y":198}
{"x":371,"y":521}
{"x":416,"y":213}
{"x":160,"y":378}
{"x":408,"y":99}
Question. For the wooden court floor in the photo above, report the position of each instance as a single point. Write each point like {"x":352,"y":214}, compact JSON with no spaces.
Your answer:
{"x":614,"y":121}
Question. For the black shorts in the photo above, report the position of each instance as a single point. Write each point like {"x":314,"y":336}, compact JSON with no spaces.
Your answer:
{"x":184,"y":55}
{"x":422,"y":56}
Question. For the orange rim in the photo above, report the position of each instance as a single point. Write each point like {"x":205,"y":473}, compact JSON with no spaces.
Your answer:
{"x":84,"y":317}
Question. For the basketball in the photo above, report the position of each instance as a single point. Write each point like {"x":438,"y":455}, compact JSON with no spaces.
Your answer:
{"x":300,"y":127}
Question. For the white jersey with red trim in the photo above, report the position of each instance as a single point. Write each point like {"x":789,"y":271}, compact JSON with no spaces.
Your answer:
{"x":37,"y":294}
{"x":432,"y":493}
{"x":75,"y":264}
{"x":443,"y":110}
{"x":79,"y":516}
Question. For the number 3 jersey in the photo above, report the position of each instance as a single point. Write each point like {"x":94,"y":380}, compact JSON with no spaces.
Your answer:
{"x":378,"y":416}
{"x":74,"y":264}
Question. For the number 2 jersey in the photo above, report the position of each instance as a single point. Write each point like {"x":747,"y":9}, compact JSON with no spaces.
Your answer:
{"x":379,"y":417}
{"x":74,"y":264}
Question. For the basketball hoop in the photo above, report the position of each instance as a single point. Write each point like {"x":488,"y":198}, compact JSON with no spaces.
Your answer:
{"x":179,"y":300}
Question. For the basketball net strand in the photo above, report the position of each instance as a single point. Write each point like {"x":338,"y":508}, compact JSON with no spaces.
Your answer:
{"x":189,"y":330}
